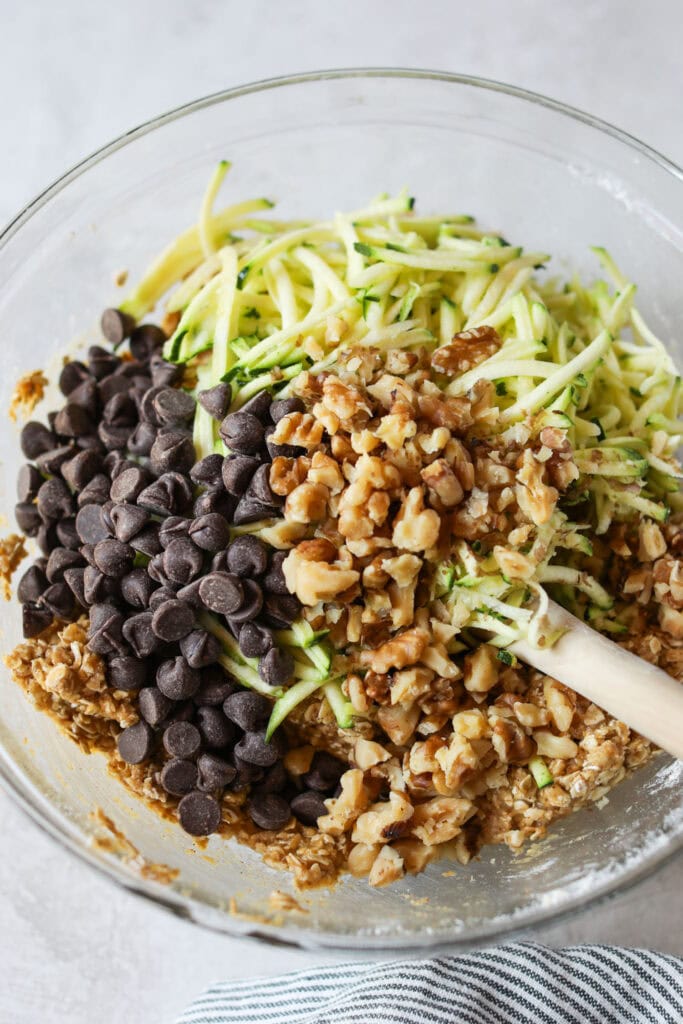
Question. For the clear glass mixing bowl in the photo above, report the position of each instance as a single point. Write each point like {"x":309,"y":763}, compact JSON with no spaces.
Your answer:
{"x":550,"y":177}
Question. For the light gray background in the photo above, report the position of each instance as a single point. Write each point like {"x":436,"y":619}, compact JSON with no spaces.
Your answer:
{"x":73,"y":74}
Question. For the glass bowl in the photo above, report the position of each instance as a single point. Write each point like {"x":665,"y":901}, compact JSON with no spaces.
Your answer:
{"x":554,"y":179}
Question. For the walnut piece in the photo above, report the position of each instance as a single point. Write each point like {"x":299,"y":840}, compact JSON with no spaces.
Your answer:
{"x":466,"y":350}
{"x":405,"y":649}
{"x":415,"y":527}
{"x":316,"y":581}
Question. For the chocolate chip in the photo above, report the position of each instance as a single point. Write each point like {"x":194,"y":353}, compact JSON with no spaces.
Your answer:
{"x":142,"y":439}
{"x":237,"y":472}
{"x":269,"y":811}
{"x":200,"y":648}
{"x":73,"y":374}
{"x":113,"y":557}
{"x":249,"y":510}
{"x":75,"y":580}
{"x":248,"y":710}
{"x":27,"y":517}
{"x":66,"y":533}
{"x":59,"y":561}
{"x":214,"y":772}
{"x":179,"y":777}
{"x":182,"y":739}
{"x":116,"y":325}
{"x":35,"y":439}
{"x":135,"y":743}
{"x":104,"y":630}
{"x":146,"y":406}
{"x":172,"y":450}
{"x":216,"y":501}
{"x":163,"y":593}
{"x":276,"y":666}
{"x":308,"y":807}
{"x":155,"y":569}
{"x":242,"y":432}
{"x":73,"y":421}
{"x":54,"y":500}
{"x":146,"y":542}
{"x":126,"y":673}
{"x":87,"y":397}
{"x":280,"y":610}
{"x":101,"y":362}
{"x":137,"y":588}
{"x":208,"y":472}
{"x":176,"y":679}
{"x":284,"y":406}
{"x":29,"y":481}
{"x":32,"y":585}
{"x":96,"y":492}
{"x":251,"y":605}
{"x":275,"y":779}
{"x":216,"y":400}
{"x":221,"y":592}
{"x":247,"y":557}
{"x":210,"y":532}
{"x":120,"y":410}
{"x":153,"y":705}
{"x":274,"y":580}
{"x":259,"y":406}
{"x":128,"y":520}
{"x":128,"y":484}
{"x":113,"y":438}
{"x":199,"y":814}
{"x":172,"y":620}
{"x":110,"y":386}
{"x":215,"y":687}
{"x":46,"y":537}
{"x":163,"y":373}
{"x":137,"y":630}
{"x":82,"y":468}
{"x":254,"y":640}
{"x":51,"y":462}
{"x":97,"y":587}
{"x":106,"y":516}
{"x":182,"y":561}
{"x":145,"y":340}
{"x":169,"y":495}
{"x":173,"y":528}
{"x":216,"y":730}
{"x":174,"y":406}
{"x":190,"y":594}
{"x":34,"y":619}
{"x":325,"y":772}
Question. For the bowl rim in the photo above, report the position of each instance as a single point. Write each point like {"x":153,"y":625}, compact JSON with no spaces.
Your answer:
{"x":20,"y":793}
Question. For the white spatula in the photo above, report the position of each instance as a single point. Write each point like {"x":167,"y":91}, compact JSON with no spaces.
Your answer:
{"x":629,"y":688}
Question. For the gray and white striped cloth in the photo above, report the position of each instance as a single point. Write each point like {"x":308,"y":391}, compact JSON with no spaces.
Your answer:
{"x":518,"y":983}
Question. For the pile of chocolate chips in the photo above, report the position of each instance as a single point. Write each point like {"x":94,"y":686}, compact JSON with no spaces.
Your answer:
{"x":136,"y":532}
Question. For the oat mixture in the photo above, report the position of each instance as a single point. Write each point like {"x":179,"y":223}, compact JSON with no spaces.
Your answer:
{"x":289,"y":539}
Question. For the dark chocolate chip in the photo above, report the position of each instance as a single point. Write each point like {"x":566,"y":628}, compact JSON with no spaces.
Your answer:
{"x":106,"y":516}
{"x":35,"y":439}
{"x":169,"y":495}
{"x":66,"y":533}
{"x":73,"y":421}
{"x":242,"y":432}
{"x":214,"y":772}
{"x":96,"y":492}
{"x":200,"y":648}
{"x":129,"y":483}
{"x":275,"y":779}
{"x":325,"y":772}
{"x":29,"y":481}
{"x":274,"y":580}
{"x":137,"y":588}
{"x":208,"y":472}
{"x":97,"y":587}
{"x":101,"y":362}
{"x":146,"y":406}
{"x":221,"y":592}
{"x":284,"y":406}
{"x":172,"y":620}
{"x":249,"y":510}
{"x":308,"y":807}
{"x":82,"y":468}
{"x":269,"y":811}
{"x":127,"y":519}
{"x":216,"y":730}
{"x":34,"y":619}
{"x":164,"y":374}
{"x":174,"y":406}
{"x":182,"y":561}
{"x":127,"y":673}
{"x":190,"y":594}
{"x":215,"y":687}
{"x":176,"y":679}
{"x":135,"y":743}
{"x":260,"y":489}
{"x":251,"y":605}
{"x":46,"y":538}
{"x":237,"y":472}
{"x":280,"y":610}
{"x":216,"y":400}
{"x":32,"y":585}
{"x":28,"y":518}
{"x":155,"y":569}
{"x":147,"y":540}
{"x":53,"y":461}
{"x":259,"y":406}
{"x":145,"y":340}
{"x":163,"y":593}
{"x":154,"y":706}
{"x":182,"y":739}
{"x":172,"y":451}
{"x":60,"y":560}
{"x":216,"y":501}
{"x":199,"y":814}
{"x":247,"y":557}
{"x":210,"y":532}
{"x":87,"y":397}
{"x":120,"y":411}
{"x":142,"y":439}
{"x":179,"y":777}
{"x":104,"y":631}
{"x":276,"y":666}
{"x":255,"y":640}
{"x":75,"y":580}
{"x":113,"y":438}
{"x":54,"y":500}
{"x":137,"y":630}
{"x":113,"y":557}
{"x":73,"y":374}
{"x":248,"y":710}
{"x":172,"y":529}
{"x":116,"y":325}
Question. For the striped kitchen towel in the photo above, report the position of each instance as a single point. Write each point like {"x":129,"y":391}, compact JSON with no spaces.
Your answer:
{"x":513,"y":984}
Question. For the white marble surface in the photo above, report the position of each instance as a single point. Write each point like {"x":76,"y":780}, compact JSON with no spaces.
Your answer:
{"x":74,"y":74}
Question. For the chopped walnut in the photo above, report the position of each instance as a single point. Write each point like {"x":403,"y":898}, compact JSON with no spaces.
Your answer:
{"x":320,"y":549}
{"x":316,"y":581}
{"x":300,"y":429}
{"x":344,"y":809}
{"x":415,"y":527}
{"x":388,"y":867}
{"x":307,"y":503}
{"x":442,"y":481}
{"x":398,"y":722}
{"x":384,"y":821}
{"x":405,"y":649}
{"x":550,"y":745}
{"x":511,"y":742}
{"x":481,"y":669}
{"x":536,"y":498}
{"x":441,"y":819}
{"x":286,"y":474}
{"x":324,"y":470}
{"x":652,"y":544}
{"x":466,"y":350}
